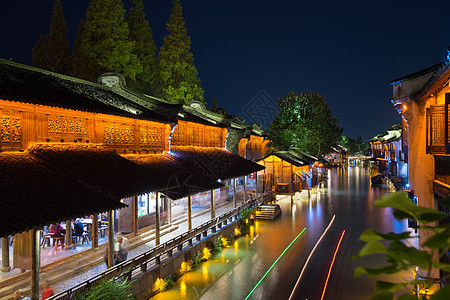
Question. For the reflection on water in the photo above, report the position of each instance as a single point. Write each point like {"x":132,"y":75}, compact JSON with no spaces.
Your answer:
{"x":234,"y":273}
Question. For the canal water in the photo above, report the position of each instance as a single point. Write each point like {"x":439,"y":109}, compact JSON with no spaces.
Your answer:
{"x":266,"y":264}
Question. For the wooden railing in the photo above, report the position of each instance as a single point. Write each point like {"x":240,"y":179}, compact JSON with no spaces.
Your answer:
{"x":153,"y":256}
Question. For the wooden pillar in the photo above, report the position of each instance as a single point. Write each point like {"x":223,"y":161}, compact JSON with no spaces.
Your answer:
{"x":135,"y":215}
{"x":292,"y":179}
{"x":213,"y":204}
{"x":94,"y":229}
{"x":35,"y":255}
{"x":189,"y":212}
{"x":169,"y":210}
{"x":234,"y":192}
{"x":157,"y":221}
{"x":245,"y":189}
{"x":5,"y":255}
{"x":256,"y":186}
{"x":110,"y":238}
{"x":68,"y":236}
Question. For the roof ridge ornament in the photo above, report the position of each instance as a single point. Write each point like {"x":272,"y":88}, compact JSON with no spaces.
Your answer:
{"x":111,"y":79}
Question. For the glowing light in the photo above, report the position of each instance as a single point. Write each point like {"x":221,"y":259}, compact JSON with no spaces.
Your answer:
{"x":225,"y":242}
{"x":237,"y":232}
{"x":252,"y":232}
{"x":407,"y":185}
{"x":256,"y":227}
{"x":183,"y":289}
{"x":404,"y":107}
{"x":264,"y":276}
{"x":185,"y":267}
{"x":332,"y":263}
{"x":205,"y":273}
{"x":309,"y":257}
{"x":160,"y":285}
{"x":206,"y":254}
{"x":236,"y":247}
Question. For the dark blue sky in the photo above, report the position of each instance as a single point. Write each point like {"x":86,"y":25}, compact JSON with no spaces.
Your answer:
{"x":348,"y":51}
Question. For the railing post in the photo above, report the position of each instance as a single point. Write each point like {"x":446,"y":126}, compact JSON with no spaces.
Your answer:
{"x":169,"y":253}
{"x":198,"y":237}
{"x":144,"y":267}
{"x":213,"y":229}
{"x":190,"y":242}
{"x":205,"y":233}
{"x":158,"y":259}
{"x":180,"y":247}
{"x":225,"y":222}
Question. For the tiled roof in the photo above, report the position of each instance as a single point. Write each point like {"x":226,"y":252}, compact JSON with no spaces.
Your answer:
{"x":96,"y":166}
{"x":33,"y":196}
{"x":294,"y":156}
{"x":27,"y":84}
{"x":216,"y":162}
{"x":176,"y":172}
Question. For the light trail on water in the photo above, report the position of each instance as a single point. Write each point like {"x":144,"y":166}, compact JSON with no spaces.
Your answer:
{"x":262,"y":278}
{"x":309,"y":257}
{"x":331,"y":266}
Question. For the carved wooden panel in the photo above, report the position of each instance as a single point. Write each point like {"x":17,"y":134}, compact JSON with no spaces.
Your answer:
{"x":195,"y":136}
{"x":11,"y":130}
{"x":66,"y":126}
{"x":178,"y":135}
{"x":121,"y":135}
{"x":151,"y":137}
{"x":213,"y":137}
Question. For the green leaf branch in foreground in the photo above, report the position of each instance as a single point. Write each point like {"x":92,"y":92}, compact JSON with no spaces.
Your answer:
{"x":401,"y":256}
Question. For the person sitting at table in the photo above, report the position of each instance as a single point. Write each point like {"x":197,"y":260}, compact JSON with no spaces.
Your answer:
{"x":78,"y":228}
{"x":55,"y":230}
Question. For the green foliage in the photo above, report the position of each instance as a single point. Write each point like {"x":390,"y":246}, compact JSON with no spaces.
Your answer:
{"x":178,"y":79}
{"x":305,"y":122}
{"x":106,"y":42}
{"x":145,"y":49}
{"x":107,"y":290}
{"x":196,"y":258}
{"x":51,"y":51}
{"x":40,"y":58}
{"x":79,"y":65}
{"x":58,"y":44}
{"x":244,"y":227}
{"x":402,"y":256}
{"x":355,"y":147}
{"x":217,"y":246}
{"x":169,"y":282}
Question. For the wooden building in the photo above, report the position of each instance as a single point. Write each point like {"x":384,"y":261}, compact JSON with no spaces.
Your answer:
{"x":287,"y":172}
{"x":72,"y":148}
{"x":387,"y":150}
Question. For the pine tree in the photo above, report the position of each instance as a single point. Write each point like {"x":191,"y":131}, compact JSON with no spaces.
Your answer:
{"x":178,"y":79}
{"x":58,"y":44}
{"x":214,"y":106}
{"x":79,"y":65}
{"x":145,"y":49}
{"x":106,"y":41}
{"x":40,"y":52}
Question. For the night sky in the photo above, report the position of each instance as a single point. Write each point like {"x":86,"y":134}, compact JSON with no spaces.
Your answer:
{"x":348,"y":51}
